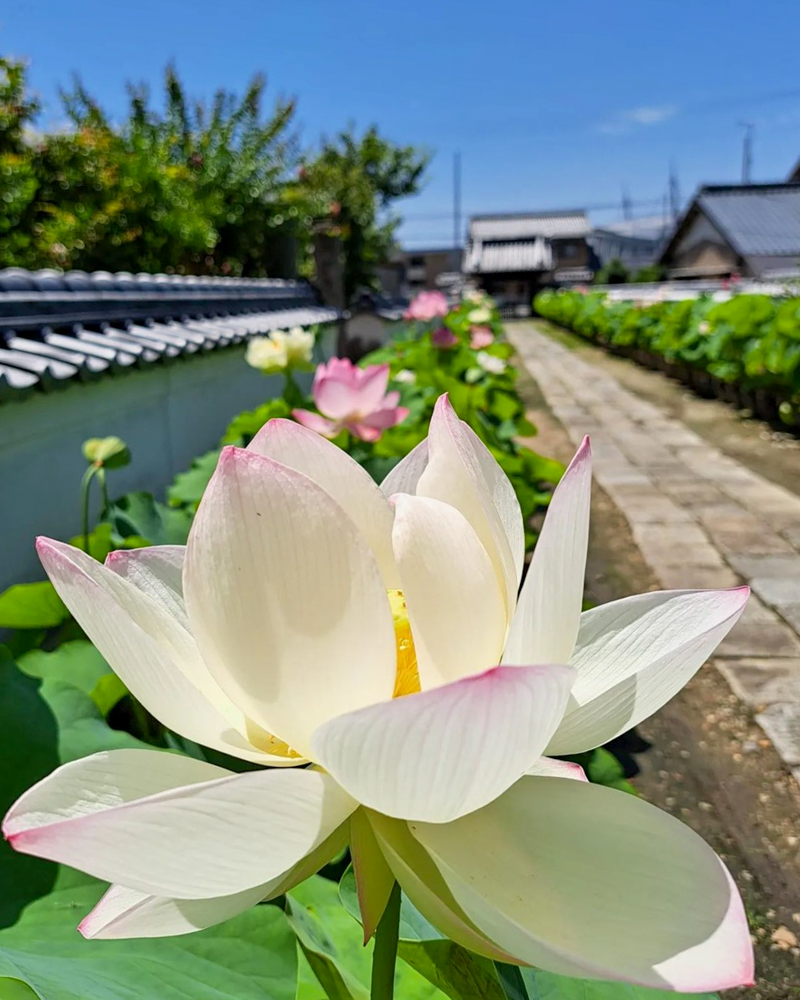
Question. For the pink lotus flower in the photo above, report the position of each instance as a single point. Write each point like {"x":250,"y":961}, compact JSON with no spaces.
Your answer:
{"x":427,"y":306}
{"x":353,"y":399}
{"x":444,"y":338}
{"x":481,"y":337}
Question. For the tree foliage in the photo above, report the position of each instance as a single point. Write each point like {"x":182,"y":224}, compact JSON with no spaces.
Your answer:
{"x":188,"y":187}
{"x":348,"y":188}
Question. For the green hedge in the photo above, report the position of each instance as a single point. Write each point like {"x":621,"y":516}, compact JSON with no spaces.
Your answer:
{"x":745,"y":350}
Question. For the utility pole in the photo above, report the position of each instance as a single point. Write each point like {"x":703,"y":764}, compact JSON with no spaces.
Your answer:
{"x":457,"y":200}
{"x":627,"y":204}
{"x":747,"y":151}
{"x":674,"y":193}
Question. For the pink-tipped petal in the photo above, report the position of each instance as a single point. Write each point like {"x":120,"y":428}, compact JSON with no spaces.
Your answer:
{"x":587,"y":881}
{"x":125,"y":913}
{"x":167,"y":825}
{"x":157,"y":571}
{"x":548,"y":615}
{"x":633,"y":655}
{"x":438,"y":754}
{"x":314,"y":422}
{"x":548,"y":767}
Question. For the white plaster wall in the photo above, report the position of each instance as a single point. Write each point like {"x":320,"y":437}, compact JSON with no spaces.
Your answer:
{"x":167,"y":414}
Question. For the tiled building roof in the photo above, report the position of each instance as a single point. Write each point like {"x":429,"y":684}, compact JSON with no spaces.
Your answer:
{"x":523,"y":255}
{"x":57,"y":328}
{"x":757,"y":219}
{"x":527,"y":226}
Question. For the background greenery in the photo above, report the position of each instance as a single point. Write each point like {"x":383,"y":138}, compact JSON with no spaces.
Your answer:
{"x":745,"y":350}
{"x":183,"y":187}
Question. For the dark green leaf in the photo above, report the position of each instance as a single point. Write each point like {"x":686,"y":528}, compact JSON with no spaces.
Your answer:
{"x":251,"y":957}
{"x":140,"y":516}
{"x":548,"y":986}
{"x":188,"y":487}
{"x":604,"y":769}
{"x":29,"y":752}
{"x":80,"y":664}
{"x":82,"y":730}
{"x":458,"y":973}
{"x":333,"y":944}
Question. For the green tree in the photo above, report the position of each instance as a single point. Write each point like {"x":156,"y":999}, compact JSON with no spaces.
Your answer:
{"x":348,"y":187}
{"x":613,"y":273}
{"x":188,"y":189}
{"x":18,"y":180}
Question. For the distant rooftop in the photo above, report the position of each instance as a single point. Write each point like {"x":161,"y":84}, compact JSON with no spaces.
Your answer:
{"x":529,"y":225}
{"x":650,"y":227}
{"x":757,"y":219}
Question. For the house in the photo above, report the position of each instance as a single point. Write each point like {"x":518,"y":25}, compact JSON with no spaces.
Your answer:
{"x":748,"y":229}
{"x":426,"y":268}
{"x":636,"y":243}
{"x":513,"y":256}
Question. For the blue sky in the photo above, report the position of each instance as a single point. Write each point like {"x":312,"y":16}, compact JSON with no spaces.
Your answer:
{"x":552,"y":105}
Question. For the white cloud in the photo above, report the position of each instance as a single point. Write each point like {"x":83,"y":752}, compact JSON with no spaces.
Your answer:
{"x":626,"y":121}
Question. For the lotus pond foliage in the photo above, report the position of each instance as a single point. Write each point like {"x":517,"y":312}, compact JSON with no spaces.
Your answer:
{"x":746,"y":350}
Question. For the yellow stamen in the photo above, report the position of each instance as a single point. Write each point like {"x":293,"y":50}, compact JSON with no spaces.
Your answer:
{"x":407,"y":678}
{"x":265,"y":741}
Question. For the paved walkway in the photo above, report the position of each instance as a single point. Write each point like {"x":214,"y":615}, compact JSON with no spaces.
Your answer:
{"x":700,"y":519}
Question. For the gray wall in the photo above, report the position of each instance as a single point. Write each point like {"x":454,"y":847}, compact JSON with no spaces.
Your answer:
{"x":167,"y":414}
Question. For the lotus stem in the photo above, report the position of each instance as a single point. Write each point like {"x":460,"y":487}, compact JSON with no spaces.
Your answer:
{"x":384,"y":957}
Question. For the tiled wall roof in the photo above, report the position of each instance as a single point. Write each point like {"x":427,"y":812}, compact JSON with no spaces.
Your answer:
{"x":57,"y":328}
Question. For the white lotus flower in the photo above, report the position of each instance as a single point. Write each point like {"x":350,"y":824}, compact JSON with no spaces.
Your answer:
{"x":490,"y":363}
{"x":280,"y":349}
{"x":299,"y":344}
{"x":281,"y":636}
{"x":405,"y":375}
{"x":480,"y":315}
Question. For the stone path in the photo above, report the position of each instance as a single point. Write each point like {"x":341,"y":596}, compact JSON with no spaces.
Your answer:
{"x":699,"y":518}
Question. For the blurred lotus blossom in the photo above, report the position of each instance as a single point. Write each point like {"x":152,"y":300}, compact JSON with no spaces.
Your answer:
{"x":444,"y":338}
{"x":281,"y":349}
{"x":427,"y":306}
{"x":405,"y":375}
{"x":480,"y":315}
{"x":490,"y":363}
{"x":353,"y":399}
{"x":480,"y":337}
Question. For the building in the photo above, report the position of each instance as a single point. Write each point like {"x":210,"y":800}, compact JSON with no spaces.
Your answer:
{"x":637,"y":243}
{"x":748,"y":229}
{"x":424,"y":269}
{"x":513,"y":256}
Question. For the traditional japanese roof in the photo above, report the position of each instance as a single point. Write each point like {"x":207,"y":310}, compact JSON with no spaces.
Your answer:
{"x":528,"y":225}
{"x":756,"y":218}
{"x":56,"y":328}
{"x":523,"y":255}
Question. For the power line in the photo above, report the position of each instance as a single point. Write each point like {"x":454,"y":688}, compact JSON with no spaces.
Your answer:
{"x":599,"y":207}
